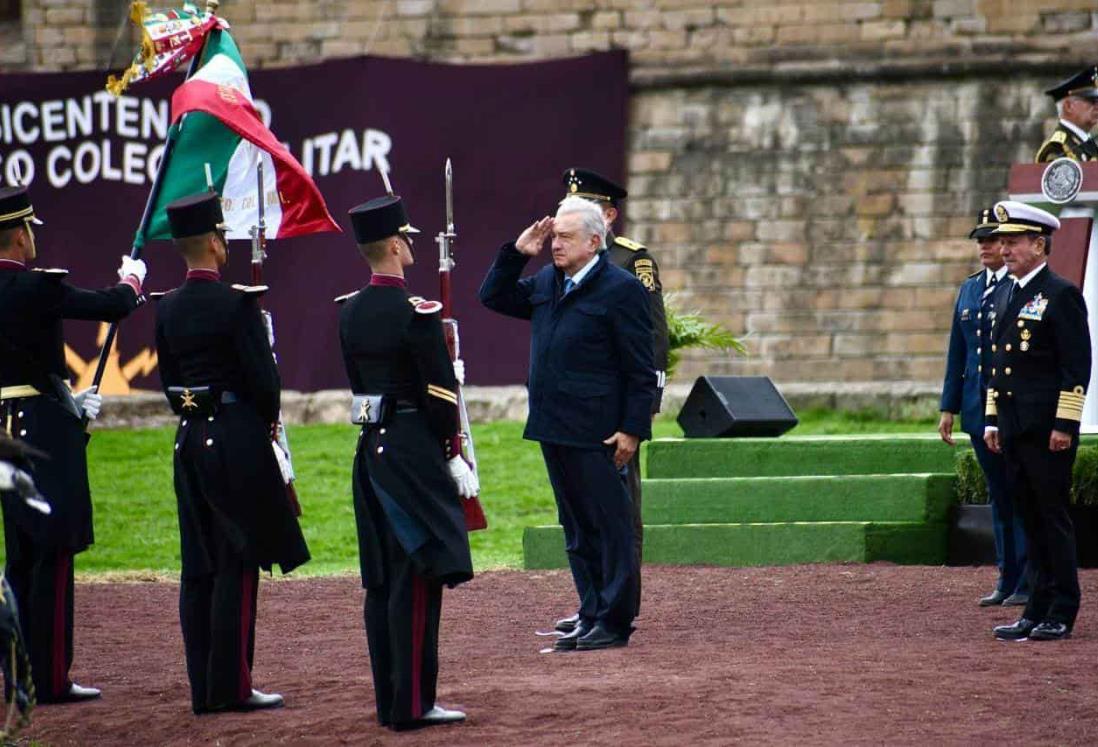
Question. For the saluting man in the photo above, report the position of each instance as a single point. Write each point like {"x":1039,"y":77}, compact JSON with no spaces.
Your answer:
{"x":1077,"y":106}
{"x":1040,"y":350}
{"x":634,"y":258}
{"x":37,"y":406}
{"x":235,"y":517}
{"x":408,"y":480}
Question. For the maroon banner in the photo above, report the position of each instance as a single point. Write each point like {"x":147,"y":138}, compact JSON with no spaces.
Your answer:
{"x":511,"y":130}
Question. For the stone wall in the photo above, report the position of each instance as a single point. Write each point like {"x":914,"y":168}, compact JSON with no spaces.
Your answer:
{"x":806,"y":171}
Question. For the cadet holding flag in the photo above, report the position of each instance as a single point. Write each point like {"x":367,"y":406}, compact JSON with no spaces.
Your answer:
{"x":37,"y":407}
{"x":235,"y":516}
{"x":408,"y":482}
{"x":1040,"y":368}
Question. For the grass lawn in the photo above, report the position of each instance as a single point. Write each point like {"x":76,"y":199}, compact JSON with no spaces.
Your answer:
{"x":135,"y":518}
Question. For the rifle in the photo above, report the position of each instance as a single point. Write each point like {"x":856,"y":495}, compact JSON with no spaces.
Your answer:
{"x":463,"y":441}
{"x":279,"y":440}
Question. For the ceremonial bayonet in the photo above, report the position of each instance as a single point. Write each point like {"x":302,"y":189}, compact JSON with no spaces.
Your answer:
{"x":258,"y":232}
{"x":474,"y":513}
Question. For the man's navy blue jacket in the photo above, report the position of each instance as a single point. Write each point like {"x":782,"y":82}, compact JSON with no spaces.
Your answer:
{"x":964,"y":389}
{"x":591,"y":364}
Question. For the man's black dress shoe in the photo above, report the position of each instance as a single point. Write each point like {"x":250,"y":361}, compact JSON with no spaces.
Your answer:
{"x":75,"y":694}
{"x":994,"y":598}
{"x":600,"y":638}
{"x":434,"y":717}
{"x":567,"y":642}
{"x":567,"y":624}
{"x":1016,"y":631}
{"x":1017,"y":599}
{"x":1050,"y":631}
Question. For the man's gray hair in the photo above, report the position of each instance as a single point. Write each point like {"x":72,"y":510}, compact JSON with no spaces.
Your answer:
{"x":591,"y":214}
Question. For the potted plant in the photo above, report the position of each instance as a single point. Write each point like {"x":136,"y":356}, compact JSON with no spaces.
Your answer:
{"x":971,"y":532}
{"x":690,"y":330}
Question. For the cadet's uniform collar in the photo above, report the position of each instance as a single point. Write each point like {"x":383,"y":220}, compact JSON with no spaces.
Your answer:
{"x":1024,"y":281}
{"x":391,"y":281}
{"x":209,"y":276}
{"x":996,"y":275}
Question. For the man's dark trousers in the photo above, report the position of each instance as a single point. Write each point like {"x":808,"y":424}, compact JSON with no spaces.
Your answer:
{"x":1040,"y":482}
{"x":1006,"y":519}
{"x":596,"y":512}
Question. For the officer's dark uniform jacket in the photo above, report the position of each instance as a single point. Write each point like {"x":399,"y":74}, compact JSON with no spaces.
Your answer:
{"x":591,"y":371}
{"x":635,"y":258}
{"x":210,"y":334}
{"x":1064,"y":142}
{"x":968,"y":363}
{"x":1040,"y":358}
{"x":33,"y":304}
{"x":393,"y":345}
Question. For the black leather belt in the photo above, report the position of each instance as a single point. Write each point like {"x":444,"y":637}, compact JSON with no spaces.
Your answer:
{"x":199,"y":400}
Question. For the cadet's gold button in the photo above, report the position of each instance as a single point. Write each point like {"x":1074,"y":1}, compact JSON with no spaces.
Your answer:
{"x":994,"y":348}
{"x":980,"y":315}
{"x":1021,"y":323}
{"x":380,"y":449}
{"x":209,"y":442}
{"x":184,"y":422}
{"x":979,"y":368}
{"x":1008,"y":347}
{"x":1010,"y":394}
{"x":993,"y":372}
{"x":1007,"y":370}
{"x":977,"y":333}
{"x":981,"y":350}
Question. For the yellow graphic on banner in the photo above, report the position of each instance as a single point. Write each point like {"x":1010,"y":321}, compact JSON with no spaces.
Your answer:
{"x":116,"y":376}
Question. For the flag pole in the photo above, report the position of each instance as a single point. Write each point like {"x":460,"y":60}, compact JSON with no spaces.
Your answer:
{"x":150,"y":203}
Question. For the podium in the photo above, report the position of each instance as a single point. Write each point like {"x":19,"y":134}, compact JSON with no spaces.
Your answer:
{"x":1069,"y":189}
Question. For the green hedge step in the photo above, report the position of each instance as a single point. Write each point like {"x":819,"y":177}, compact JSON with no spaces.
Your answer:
{"x":742,"y":500}
{"x":911,"y":543}
{"x":799,"y":455}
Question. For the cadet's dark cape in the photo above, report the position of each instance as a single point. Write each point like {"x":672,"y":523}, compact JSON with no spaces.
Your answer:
{"x":208,"y":334}
{"x":400,"y":474}
{"x":32,"y":352}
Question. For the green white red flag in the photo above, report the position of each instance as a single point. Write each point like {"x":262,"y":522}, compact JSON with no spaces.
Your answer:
{"x":216,"y":123}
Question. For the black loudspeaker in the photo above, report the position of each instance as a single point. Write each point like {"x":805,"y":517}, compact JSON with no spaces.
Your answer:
{"x":729,"y":406}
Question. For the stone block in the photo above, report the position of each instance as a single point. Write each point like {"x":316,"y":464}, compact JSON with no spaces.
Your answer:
{"x":65,"y":16}
{"x":590,"y":41}
{"x":881,"y":30}
{"x":463,"y":8}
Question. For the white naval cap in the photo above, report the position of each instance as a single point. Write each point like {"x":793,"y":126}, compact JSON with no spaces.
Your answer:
{"x":1018,"y":217}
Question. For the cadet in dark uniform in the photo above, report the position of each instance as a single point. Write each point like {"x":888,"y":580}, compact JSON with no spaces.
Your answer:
{"x":1077,"y":106}
{"x":1040,"y":368}
{"x":37,"y":406}
{"x":235,"y":517}
{"x":964,"y":391}
{"x":636,"y":259}
{"x":408,"y":482}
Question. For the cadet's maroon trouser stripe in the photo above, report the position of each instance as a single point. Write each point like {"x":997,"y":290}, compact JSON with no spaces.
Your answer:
{"x":60,"y":620}
{"x":246,"y":613}
{"x":419,"y":625}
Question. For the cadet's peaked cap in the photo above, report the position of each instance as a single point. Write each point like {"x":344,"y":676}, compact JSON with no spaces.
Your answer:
{"x":593,"y":186}
{"x":985,"y":224}
{"x":15,"y":208}
{"x":195,"y":215}
{"x":1018,"y":217}
{"x":379,"y":219}
{"x":1084,"y":83}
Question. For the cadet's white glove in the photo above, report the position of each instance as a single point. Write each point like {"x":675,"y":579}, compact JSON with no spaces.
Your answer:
{"x":268,"y":322}
{"x":135,"y":267}
{"x":89,"y":402}
{"x":283,"y":462}
{"x":459,"y":371}
{"x":8,"y":474}
{"x":464,"y":478}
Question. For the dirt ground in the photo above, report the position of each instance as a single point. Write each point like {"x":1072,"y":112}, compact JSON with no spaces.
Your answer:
{"x":813,"y":654}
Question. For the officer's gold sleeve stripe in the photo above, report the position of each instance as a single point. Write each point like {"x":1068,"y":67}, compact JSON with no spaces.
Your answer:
{"x":1070,"y":406}
{"x":17,"y":214}
{"x":444,"y":394}
{"x":991,"y":409}
{"x":1064,"y":414}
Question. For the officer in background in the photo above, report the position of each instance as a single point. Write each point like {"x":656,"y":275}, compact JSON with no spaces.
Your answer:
{"x":1077,"y":107}
{"x":634,"y":258}
{"x":235,"y":517}
{"x":37,"y":406}
{"x":408,"y":480}
{"x":1040,"y":368}
{"x":968,"y":368}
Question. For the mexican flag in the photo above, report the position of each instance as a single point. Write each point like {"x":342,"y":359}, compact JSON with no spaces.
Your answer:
{"x":214,"y":122}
